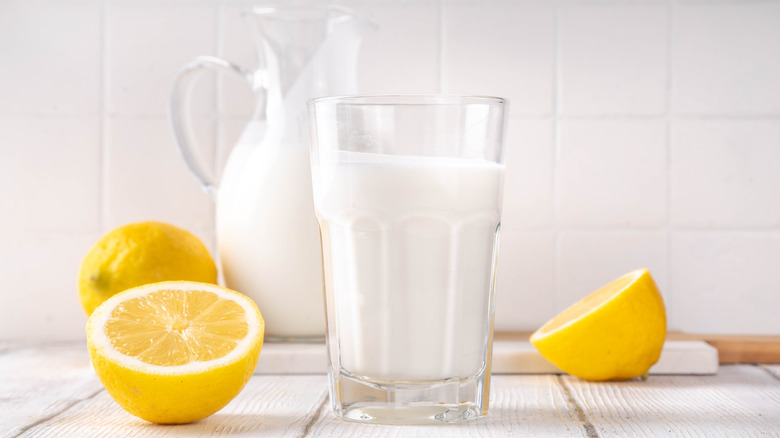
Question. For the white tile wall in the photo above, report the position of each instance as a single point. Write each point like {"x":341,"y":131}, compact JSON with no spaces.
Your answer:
{"x":147,"y":42}
{"x":726,"y":173}
{"x":236,"y":46}
{"x":528,"y":184}
{"x":525,"y":290}
{"x":503,"y":48}
{"x":51,"y":175}
{"x":42,"y":304}
{"x":140,"y":188}
{"x":725,"y":58}
{"x":588,"y":260}
{"x":612,"y":173}
{"x":408,"y":31}
{"x":614,"y":59}
{"x":229,"y":133}
{"x":51,"y":55}
{"x":727,"y":282}
{"x":642,"y":133}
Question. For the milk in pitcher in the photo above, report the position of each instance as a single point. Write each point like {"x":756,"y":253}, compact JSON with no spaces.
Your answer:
{"x":267,"y":233}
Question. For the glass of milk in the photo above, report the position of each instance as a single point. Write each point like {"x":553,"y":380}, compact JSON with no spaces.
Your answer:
{"x":407,"y":193}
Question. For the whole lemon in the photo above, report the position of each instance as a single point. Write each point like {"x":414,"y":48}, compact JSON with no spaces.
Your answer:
{"x":141,"y":253}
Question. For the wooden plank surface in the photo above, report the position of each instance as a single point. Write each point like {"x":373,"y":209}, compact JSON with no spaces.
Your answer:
{"x":52,"y":392}
{"x":278,"y":406}
{"x":741,"y":400}
{"x":773,"y":370}
{"x":519,"y":406}
{"x":39,"y":384}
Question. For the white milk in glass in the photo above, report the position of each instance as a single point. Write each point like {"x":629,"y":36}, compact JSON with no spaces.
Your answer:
{"x":408,"y":247}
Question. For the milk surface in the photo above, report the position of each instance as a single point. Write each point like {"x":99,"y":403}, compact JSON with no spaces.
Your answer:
{"x":408,"y":247}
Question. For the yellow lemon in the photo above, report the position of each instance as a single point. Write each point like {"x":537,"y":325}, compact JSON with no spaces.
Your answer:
{"x":138,"y":254}
{"x":175,"y":351}
{"x":615,"y":333}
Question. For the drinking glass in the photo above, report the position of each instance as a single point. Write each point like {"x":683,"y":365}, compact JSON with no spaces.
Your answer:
{"x":408,"y":193}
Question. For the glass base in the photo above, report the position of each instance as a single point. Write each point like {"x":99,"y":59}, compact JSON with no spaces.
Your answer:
{"x":437,"y":402}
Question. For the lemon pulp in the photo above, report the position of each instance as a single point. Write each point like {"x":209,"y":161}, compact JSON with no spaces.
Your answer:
{"x":588,"y":303}
{"x":175,"y":327}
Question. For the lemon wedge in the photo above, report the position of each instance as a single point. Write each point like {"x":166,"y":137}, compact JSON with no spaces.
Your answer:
{"x":177,"y":351}
{"x":615,"y":333}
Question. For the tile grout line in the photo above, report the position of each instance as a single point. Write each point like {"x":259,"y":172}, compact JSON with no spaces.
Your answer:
{"x":103,"y":125}
{"x":218,"y":92}
{"x":440,"y":48}
{"x":556,"y":119}
{"x":669,"y":227}
{"x":217,"y":120}
{"x":50,"y":417}
{"x":576,"y":409}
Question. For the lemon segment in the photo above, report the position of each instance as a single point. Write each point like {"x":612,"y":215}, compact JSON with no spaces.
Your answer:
{"x":615,"y":333}
{"x":175,"y":352}
{"x":141,"y":253}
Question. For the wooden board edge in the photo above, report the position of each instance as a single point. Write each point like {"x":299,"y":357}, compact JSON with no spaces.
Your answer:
{"x":732,"y":349}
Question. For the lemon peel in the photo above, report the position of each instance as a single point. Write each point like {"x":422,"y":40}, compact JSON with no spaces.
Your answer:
{"x":175,"y":352}
{"x":141,"y":253}
{"x":615,"y":333}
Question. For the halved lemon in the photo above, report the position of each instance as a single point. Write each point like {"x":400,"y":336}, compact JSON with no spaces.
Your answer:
{"x":615,"y":333}
{"x":176,"y":351}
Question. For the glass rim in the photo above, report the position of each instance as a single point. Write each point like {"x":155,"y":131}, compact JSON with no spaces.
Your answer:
{"x":409,"y":99}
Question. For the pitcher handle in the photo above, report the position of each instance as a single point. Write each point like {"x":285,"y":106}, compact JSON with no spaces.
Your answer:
{"x":179,"y":110}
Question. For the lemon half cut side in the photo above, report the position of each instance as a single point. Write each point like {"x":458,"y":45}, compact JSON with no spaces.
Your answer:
{"x":175,"y":352}
{"x":615,"y":333}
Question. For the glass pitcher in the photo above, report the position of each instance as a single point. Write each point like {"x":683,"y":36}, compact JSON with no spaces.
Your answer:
{"x":267,"y":235}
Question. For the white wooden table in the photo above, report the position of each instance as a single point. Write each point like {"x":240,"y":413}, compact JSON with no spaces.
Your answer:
{"x":51,"y":391}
